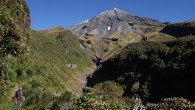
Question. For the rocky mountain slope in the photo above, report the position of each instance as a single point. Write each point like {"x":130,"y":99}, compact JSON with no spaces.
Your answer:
{"x":110,"y":31}
{"x":113,"y":21}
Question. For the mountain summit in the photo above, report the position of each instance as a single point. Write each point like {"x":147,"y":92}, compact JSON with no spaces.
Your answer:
{"x":112,"y":21}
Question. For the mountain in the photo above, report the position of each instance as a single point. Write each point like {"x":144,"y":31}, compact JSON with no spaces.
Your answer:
{"x":107,"y":33}
{"x":113,"y":21}
{"x":135,"y":55}
{"x":139,"y":56}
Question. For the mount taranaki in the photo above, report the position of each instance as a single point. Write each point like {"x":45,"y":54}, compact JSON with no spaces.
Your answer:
{"x":141,"y":55}
{"x":113,"y":21}
{"x":108,"y":32}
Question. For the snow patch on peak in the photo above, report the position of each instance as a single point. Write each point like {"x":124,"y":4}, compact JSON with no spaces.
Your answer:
{"x":86,"y":21}
{"x":109,"y":27}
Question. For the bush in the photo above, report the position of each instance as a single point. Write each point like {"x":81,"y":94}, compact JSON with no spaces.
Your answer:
{"x":64,"y":102}
{"x":14,"y":27}
{"x":176,"y":103}
{"x":96,"y":102}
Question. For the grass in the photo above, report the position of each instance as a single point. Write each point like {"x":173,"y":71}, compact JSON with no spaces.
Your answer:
{"x":105,"y":48}
{"x":51,"y":52}
{"x":159,"y":37}
{"x":43,"y":71}
{"x":109,"y":88}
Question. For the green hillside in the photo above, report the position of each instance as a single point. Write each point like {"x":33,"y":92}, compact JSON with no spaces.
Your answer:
{"x":181,"y":29}
{"x":45,"y":69}
{"x":101,"y":49}
{"x":152,"y":70}
{"x":45,"y":63}
{"x":57,"y":51}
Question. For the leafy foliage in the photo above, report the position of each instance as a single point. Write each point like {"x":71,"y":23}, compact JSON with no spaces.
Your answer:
{"x":39,"y":67}
{"x":180,"y":29}
{"x":42,"y":71}
{"x":14,"y":26}
{"x":65,"y":102}
{"x":90,"y":101}
{"x":152,"y":70}
{"x":176,"y":103}
{"x":100,"y":102}
{"x":150,"y":63}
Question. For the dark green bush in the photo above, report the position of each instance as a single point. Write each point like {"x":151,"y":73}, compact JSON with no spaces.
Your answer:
{"x":162,"y":70}
{"x":180,"y":29}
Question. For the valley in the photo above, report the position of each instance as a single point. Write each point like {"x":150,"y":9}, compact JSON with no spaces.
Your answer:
{"x":105,"y":62}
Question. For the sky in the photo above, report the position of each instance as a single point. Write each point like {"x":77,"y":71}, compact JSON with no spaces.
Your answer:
{"x":47,"y":14}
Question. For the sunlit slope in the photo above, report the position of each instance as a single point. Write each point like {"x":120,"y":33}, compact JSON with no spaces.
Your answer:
{"x":60,"y":52}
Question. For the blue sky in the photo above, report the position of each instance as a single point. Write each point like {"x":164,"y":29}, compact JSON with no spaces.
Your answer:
{"x":51,"y":13}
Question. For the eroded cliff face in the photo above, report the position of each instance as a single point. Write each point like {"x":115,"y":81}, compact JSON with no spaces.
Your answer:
{"x":14,"y":26}
{"x":152,"y":70}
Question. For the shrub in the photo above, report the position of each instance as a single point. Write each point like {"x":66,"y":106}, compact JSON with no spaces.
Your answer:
{"x":176,"y":103}
{"x":96,"y":102}
{"x":64,"y":102}
{"x":15,"y":26}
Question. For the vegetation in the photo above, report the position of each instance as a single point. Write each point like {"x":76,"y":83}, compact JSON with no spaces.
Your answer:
{"x":42,"y":71}
{"x":39,"y":63}
{"x":100,"y":102}
{"x":105,"y":48}
{"x":14,"y":26}
{"x":159,"y":37}
{"x":99,"y":48}
{"x":176,"y":103}
{"x":180,"y":29}
{"x":151,"y":63}
{"x":50,"y":66}
{"x":152,"y":70}
{"x":57,"y":50}
{"x":90,"y":101}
